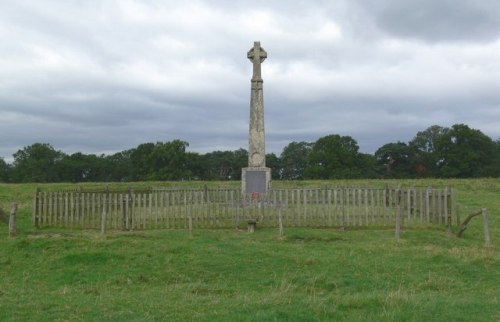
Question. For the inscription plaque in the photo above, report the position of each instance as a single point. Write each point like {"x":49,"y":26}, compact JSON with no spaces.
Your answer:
{"x":256,"y":182}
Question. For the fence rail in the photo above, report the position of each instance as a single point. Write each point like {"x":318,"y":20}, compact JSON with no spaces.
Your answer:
{"x":226,"y":208}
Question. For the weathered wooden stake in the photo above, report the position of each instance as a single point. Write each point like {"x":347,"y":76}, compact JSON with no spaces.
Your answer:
{"x":446,"y":214}
{"x":448,"y":226}
{"x":463,"y":225}
{"x":190,"y":223}
{"x":280,"y":220}
{"x":36,"y":220}
{"x":486,"y":229}
{"x":105,"y":211}
{"x":130,"y":209}
{"x":12,"y":220}
{"x":398,"y":215}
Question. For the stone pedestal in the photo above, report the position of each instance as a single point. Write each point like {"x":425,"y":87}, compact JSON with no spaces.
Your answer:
{"x":255,"y":179}
{"x":252,"y":224}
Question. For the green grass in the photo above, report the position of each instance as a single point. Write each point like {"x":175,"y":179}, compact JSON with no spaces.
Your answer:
{"x":229,"y":275}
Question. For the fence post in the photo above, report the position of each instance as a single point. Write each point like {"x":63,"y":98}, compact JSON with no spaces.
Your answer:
{"x":105,"y":211}
{"x":398,"y":214}
{"x":280,"y":220}
{"x":486,"y":229}
{"x":36,"y":219}
{"x":447,"y":208}
{"x":453,"y":207}
{"x":428,"y":205}
{"x":130,"y":209}
{"x":190,"y":223}
{"x":12,"y":220}
{"x":80,"y":207}
{"x":124,"y":210}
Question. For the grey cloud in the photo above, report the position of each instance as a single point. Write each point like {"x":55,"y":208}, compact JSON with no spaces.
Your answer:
{"x":104,"y":77}
{"x":434,"y":21}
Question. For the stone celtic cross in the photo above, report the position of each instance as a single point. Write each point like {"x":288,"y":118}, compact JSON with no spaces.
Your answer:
{"x":256,"y":55}
{"x":256,"y":178}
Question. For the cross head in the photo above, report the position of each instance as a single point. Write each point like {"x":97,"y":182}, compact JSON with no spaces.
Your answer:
{"x":256,"y":54}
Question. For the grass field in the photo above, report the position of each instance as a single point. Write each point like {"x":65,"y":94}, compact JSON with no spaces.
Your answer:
{"x":230,"y":275}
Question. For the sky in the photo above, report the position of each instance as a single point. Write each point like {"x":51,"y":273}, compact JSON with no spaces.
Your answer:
{"x":103,"y":76}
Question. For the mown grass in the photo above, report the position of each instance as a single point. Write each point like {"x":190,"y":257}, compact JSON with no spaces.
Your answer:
{"x":229,"y":275}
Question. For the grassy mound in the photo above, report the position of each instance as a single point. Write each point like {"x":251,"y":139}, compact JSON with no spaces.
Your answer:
{"x":309,"y":275}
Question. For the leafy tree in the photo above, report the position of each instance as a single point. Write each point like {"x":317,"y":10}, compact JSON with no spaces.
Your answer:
{"x":368,"y":164}
{"x":169,"y":161}
{"x":119,"y":166}
{"x":4,"y":171}
{"x":240,"y":160}
{"x":96,"y":169}
{"x":160,"y":161}
{"x":495,"y":169}
{"x":80,"y":167}
{"x":37,"y":163}
{"x":335,"y":157}
{"x":219,"y":165}
{"x":140,"y":161}
{"x":395,"y":160}
{"x":424,"y":144}
{"x":294,"y":160}
{"x":73,"y":168}
{"x":465,"y":152}
{"x":437,"y":151}
{"x":195,"y":164}
{"x":273,"y":162}
{"x":224,"y":165}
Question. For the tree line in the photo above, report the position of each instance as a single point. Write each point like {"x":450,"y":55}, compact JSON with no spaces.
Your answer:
{"x":438,"y":152}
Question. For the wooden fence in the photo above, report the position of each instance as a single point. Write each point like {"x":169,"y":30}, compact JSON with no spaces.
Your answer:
{"x":229,"y":208}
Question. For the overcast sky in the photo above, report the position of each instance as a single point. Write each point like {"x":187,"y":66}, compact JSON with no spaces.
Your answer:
{"x":104,"y":76}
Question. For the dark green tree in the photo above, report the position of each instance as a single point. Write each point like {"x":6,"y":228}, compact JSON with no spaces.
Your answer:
{"x":36,"y":163}
{"x":195,"y":164}
{"x":141,"y":163}
{"x":219,"y":165}
{"x":335,"y":157}
{"x":169,"y":161}
{"x":119,"y":166}
{"x":73,"y":168}
{"x":294,"y":160}
{"x":224,"y":165}
{"x":80,"y":167}
{"x":4,"y":171}
{"x":426,"y":158}
{"x":273,"y":162}
{"x":465,"y":152}
{"x":368,"y":165}
{"x":240,"y":161}
{"x":395,"y":160}
{"x":495,"y":168}
{"x":497,"y":154}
